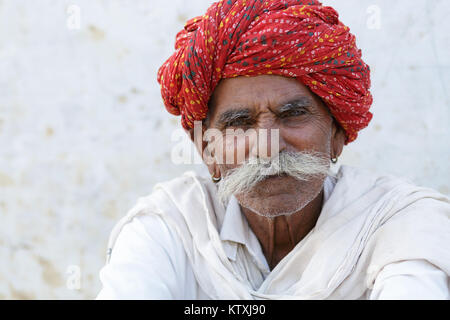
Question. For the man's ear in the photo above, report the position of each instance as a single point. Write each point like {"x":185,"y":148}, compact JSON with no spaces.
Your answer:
{"x":190,"y":133}
{"x":200,"y":145}
{"x":337,"y":139}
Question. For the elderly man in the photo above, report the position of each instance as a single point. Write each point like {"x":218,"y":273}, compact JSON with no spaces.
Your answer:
{"x":278,"y":225}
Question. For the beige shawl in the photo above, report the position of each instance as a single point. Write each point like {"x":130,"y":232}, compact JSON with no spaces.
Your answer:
{"x":368,"y":221}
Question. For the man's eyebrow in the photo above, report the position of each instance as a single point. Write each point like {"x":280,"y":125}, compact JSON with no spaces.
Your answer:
{"x":245,"y":113}
{"x":295,"y":104}
{"x":231,"y":115}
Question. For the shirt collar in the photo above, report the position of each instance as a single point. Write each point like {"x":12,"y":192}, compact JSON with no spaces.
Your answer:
{"x":234,"y":228}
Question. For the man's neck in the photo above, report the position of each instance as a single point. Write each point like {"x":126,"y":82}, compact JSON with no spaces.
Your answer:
{"x":279,"y":235}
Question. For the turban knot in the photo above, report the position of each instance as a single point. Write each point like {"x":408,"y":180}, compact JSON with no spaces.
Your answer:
{"x":294,"y":38}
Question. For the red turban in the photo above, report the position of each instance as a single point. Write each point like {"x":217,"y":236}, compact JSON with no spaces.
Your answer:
{"x":293,"y":38}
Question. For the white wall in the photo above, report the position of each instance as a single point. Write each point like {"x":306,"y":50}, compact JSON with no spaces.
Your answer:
{"x":83,"y":132}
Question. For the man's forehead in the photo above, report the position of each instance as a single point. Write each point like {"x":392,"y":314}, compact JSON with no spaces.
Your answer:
{"x":256,"y":92}
{"x":258,"y":84}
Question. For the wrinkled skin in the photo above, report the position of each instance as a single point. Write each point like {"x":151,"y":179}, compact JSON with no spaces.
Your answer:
{"x":313,"y":129}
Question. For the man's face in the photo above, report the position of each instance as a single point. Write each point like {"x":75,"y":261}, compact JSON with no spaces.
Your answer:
{"x":273,"y":102}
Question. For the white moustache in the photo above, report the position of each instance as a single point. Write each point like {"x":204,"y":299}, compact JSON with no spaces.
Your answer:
{"x":302,"y":165}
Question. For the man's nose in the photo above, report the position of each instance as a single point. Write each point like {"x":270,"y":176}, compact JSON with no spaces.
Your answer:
{"x":269,"y":142}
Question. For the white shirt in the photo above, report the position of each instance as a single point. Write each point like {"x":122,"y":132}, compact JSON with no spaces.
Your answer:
{"x":149,"y":262}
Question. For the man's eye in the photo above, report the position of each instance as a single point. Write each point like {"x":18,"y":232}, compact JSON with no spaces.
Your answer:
{"x":237,"y":123}
{"x":293,"y":113}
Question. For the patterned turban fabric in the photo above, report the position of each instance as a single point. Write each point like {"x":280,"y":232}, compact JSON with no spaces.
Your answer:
{"x":301,"y":39}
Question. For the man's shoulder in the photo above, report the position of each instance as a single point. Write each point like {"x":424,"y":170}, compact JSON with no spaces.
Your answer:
{"x":149,"y":209}
{"x":374,"y":177}
{"x":401,"y":203}
{"x":185,"y":180}
{"x":178,"y":184}
{"x":184,"y":196}
{"x":387,"y":190}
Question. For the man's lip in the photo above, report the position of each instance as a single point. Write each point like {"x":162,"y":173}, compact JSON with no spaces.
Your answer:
{"x":283,"y":175}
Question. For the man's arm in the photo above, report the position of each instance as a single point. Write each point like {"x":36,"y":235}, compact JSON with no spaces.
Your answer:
{"x":411,"y":280}
{"x":147,"y":262}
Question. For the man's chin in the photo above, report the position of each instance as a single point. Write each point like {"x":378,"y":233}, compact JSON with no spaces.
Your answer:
{"x":272,"y":205}
{"x":273,"y":212}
